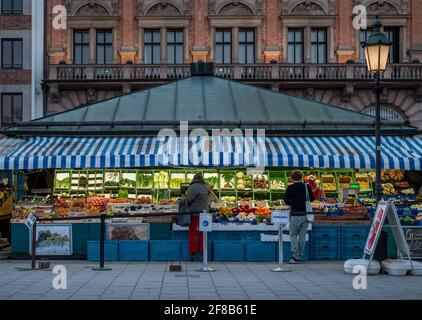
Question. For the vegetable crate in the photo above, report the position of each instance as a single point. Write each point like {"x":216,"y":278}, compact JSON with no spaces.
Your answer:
{"x":355,"y":232}
{"x":326,"y":233}
{"x":260,"y":251}
{"x":353,"y":250}
{"x":229,"y":250}
{"x":110,"y":250}
{"x":133,"y":250}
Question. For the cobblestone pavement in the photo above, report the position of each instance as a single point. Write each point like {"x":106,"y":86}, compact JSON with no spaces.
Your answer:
{"x":233,"y":281}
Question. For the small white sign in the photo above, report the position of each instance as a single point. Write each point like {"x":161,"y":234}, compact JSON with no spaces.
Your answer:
{"x":205,"y":222}
{"x":30,"y":221}
{"x":280,"y":217}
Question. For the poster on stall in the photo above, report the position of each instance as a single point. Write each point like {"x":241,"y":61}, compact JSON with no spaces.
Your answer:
{"x":128,"y":231}
{"x":414,"y":240}
{"x":53,"y":240}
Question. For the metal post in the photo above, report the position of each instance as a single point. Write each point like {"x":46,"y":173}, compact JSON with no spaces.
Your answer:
{"x":280,"y":267}
{"x":378,"y":90}
{"x":102,"y":244}
{"x":33,"y":245}
{"x":205,"y":267}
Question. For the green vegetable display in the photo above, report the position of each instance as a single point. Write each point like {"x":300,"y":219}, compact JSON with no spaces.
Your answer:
{"x":145,"y":181}
{"x":63,"y":184}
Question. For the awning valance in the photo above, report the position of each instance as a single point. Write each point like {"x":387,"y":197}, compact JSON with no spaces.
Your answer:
{"x":137,"y":152}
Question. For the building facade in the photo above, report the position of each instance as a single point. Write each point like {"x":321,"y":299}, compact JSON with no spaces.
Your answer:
{"x":15,"y":61}
{"x":300,"y":47}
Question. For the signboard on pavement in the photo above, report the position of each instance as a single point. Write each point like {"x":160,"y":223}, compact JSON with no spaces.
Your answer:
{"x":280,"y":217}
{"x":30,"y":221}
{"x":205,"y":222}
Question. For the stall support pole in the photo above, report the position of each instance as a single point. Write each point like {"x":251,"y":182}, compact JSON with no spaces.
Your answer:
{"x":33,"y":245}
{"x":205,"y":267}
{"x":280,"y":267}
{"x":102,"y":244}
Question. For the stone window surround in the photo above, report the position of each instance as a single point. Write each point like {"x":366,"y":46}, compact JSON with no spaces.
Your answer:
{"x":307,"y":24}
{"x":164,"y":23}
{"x":401,"y":22}
{"x":92,"y":25}
{"x":236,"y":23}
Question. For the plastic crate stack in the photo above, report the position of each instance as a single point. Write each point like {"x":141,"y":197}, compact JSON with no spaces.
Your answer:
{"x":326,"y":243}
{"x":353,"y":241}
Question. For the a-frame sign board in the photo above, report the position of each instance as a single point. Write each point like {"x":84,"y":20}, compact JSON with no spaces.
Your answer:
{"x":386,"y":210}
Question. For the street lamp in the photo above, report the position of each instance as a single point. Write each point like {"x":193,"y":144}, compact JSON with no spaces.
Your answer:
{"x":377,"y":50}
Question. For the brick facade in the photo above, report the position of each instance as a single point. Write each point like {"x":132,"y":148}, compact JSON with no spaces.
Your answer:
{"x":271,"y":20}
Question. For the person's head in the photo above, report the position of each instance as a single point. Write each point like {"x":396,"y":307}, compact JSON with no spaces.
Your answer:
{"x":297,"y":175}
{"x":198,"y":177}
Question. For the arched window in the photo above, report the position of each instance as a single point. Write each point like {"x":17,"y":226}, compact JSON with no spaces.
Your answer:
{"x":387,"y":113}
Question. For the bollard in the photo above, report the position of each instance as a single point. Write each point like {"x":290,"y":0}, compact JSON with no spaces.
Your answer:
{"x":280,"y":267}
{"x":102,"y":244}
{"x":205,"y":224}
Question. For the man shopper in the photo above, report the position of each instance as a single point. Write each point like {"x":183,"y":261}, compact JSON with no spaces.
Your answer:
{"x":296,"y":196}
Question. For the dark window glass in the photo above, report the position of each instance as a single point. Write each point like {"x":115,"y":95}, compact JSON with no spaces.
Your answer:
{"x":104,"y":46}
{"x":246,"y":45}
{"x":11,"y":108}
{"x":223,"y":46}
{"x":393,"y":34}
{"x":295,"y":46}
{"x":11,"y":53}
{"x":319,"y":45}
{"x":152,"y":46}
{"x":174,"y":46}
{"x":11,"y":7}
{"x":81,"y":46}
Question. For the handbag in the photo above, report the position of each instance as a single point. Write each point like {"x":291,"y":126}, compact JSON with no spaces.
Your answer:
{"x":183,"y":220}
{"x":309,"y":211}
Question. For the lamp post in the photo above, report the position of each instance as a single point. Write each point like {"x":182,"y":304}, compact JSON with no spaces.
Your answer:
{"x":377,"y":50}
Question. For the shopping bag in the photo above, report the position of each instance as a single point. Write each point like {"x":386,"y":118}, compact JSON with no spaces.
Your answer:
{"x":183,"y":220}
{"x":310,"y":212}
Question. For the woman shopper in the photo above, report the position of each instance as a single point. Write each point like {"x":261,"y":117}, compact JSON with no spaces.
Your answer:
{"x":198,"y":201}
{"x":296,"y":196}
{"x":317,"y":191}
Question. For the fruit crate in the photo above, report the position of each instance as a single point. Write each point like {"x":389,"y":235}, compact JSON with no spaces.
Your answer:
{"x":325,"y":233}
{"x":260,"y":251}
{"x":133,"y":250}
{"x":110,"y":250}
{"x":229,"y":250}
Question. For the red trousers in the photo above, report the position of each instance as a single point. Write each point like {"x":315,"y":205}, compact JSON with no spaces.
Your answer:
{"x":196,"y":242}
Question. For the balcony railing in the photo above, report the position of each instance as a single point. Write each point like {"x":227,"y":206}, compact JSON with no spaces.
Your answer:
{"x":269,"y":72}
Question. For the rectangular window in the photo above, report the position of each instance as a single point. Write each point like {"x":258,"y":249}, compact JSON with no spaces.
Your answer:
{"x":104,"y":46}
{"x":175,"y":46}
{"x":81,"y":46}
{"x":246,"y":45}
{"x":11,"y":7}
{"x":319,"y":45}
{"x":295,"y":46}
{"x":152,"y":46}
{"x":393,"y":34}
{"x":11,"y":108}
{"x":364,"y":35}
{"x":223,"y":46}
{"x":11,"y":53}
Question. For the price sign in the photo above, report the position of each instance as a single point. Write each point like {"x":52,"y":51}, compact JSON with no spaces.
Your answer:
{"x":30,"y":221}
{"x":280,"y":217}
{"x":205,"y":222}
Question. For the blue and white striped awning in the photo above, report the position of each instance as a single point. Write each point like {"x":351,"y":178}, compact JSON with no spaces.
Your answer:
{"x":134,"y":152}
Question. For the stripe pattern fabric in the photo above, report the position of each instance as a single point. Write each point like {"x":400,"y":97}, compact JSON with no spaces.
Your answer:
{"x":133,"y":152}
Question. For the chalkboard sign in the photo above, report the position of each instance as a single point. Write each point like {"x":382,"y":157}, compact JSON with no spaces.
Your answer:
{"x":414,"y":239}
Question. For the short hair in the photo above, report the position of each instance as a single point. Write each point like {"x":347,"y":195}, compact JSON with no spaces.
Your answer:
{"x":297,"y":175}
{"x":199,"y":177}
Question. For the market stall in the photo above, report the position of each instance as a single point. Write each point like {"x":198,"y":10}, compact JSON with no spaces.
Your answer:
{"x":107,"y":158}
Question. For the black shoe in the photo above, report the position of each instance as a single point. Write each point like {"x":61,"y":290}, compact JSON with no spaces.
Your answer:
{"x":193,"y":257}
{"x":294,"y":261}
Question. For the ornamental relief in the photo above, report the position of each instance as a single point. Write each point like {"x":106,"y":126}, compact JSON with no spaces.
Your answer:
{"x":308,"y":7}
{"x":235,"y":7}
{"x":385,"y":7}
{"x":163,"y":8}
{"x":92,"y":8}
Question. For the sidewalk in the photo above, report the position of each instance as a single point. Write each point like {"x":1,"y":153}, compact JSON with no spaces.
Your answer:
{"x":234,"y":281}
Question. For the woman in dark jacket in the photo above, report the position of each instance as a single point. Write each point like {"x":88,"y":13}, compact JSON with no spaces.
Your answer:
{"x":198,"y":201}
